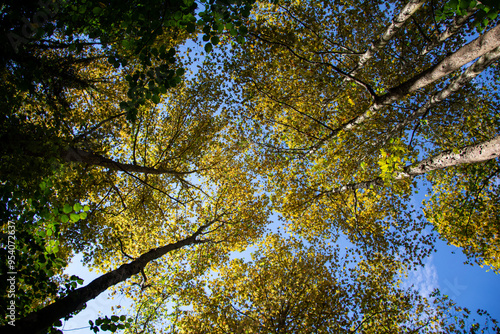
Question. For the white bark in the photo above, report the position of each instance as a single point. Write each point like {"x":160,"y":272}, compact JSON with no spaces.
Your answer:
{"x":475,"y":49}
{"x":389,"y":33}
{"x":472,"y":71}
{"x":481,"y":45}
{"x":470,"y":154}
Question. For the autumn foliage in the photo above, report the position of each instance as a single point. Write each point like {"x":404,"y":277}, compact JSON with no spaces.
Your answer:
{"x":248,"y":167}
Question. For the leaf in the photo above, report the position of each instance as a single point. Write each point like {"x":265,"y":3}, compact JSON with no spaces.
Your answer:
{"x":190,"y":28}
{"x":214,"y":40}
{"x":208,"y":47}
{"x":67,"y":208}
{"x":74,"y":217}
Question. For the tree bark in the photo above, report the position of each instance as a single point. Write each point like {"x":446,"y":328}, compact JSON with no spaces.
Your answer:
{"x":73,"y":154}
{"x":391,"y":30}
{"x":39,"y":321}
{"x":470,"y":73}
{"x":481,"y":45}
{"x":470,"y":154}
{"x":475,"y":49}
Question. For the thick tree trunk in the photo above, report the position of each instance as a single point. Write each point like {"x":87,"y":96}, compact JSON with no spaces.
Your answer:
{"x":478,"y":67}
{"x":72,"y":154}
{"x":39,"y":321}
{"x":475,"y":49}
{"x":481,"y":45}
{"x":471,"y":154}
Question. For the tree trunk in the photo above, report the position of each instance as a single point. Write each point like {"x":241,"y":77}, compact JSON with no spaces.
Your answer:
{"x":39,"y":321}
{"x":72,"y":154}
{"x":481,"y":45}
{"x":470,"y":154}
{"x":470,"y":73}
{"x":391,"y":30}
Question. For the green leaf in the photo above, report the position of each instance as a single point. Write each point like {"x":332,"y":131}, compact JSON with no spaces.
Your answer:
{"x":64,"y":218}
{"x":67,"y":208}
{"x":190,"y":28}
{"x":49,"y":232}
{"x":208,"y":47}
{"x":243,"y":30}
{"x":97,"y":10}
{"x":83,"y":215}
{"x":492,"y":15}
{"x":180,"y":72}
{"x":77,"y":207}
{"x":74,"y":217}
{"x":86,"y":208}
{"x":215,"y":40}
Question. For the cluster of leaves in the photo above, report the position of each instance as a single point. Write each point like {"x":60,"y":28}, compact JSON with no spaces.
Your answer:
{"x":289,"y":286}
{"x":111,"y":324}
{"x":392,"y":161}
{"x":488,"y":11}
{"x":130,"y":34}
{"x":37,"y":261}
{"x":465,"y":214}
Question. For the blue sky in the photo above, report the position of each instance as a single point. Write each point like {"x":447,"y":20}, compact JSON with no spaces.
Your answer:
{"x":470,"y":286}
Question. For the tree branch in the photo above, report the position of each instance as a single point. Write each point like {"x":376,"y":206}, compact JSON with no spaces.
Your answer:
{"x":470,"y":154}
{"x":481,"y":45}
{"x":72,"y":154}
{"x":39,"y":321}
{"x":391,"y":30}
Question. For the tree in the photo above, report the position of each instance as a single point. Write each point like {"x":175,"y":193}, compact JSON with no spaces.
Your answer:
{"x":289,"y":287}
{"x":343,"y":122}
{"x":63,"y":98}
{"x":306,"y":119}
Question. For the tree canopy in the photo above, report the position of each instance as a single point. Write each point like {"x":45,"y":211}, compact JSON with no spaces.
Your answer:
{"x":161,"y":138}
